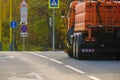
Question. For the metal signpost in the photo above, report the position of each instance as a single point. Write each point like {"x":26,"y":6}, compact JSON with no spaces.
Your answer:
{"x":13,"y":25}
{"x":11,"y":34}
{"x":23,"y":11}
{"x":23,"y":34}
{"x":0,"y":25}
{"x":23,"y":21}
{"x":53,"y":4}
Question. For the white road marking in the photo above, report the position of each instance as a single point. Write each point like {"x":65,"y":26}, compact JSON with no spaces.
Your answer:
{"x":77,"y":70}
{"x":15,"y":78}
{"x":7,"y":57}
{"x":94,"y":78}
{"x":59,"y":62}
{"x":12,"y":57}
{"x":56,"y":61}
{"x":31,"y":76}
{"x":46,"y":58}
{"x":24,"y":58}
{"x":38,"y":55}
{"x":43,"y":56}
{"x":38,"y":77}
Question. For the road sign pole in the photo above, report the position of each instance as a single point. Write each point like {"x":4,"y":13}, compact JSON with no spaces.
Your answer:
{"x":0,"y":25}
{"x":13,"y":39}
{"x":54,"y":4}
{"x":23,"y":21}
{"x":23,"y":43}
{"x":53,"y":29}
{"x":13,"y":25}
{"x":11,"y":42}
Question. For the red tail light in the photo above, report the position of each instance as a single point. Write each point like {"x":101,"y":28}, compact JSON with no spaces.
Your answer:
{"x":93,"y":39}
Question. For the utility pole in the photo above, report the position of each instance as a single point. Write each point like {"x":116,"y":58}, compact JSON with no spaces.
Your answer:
{"x":53,"y":29}
{"x":53,"y":4}
{"x":11,"y":40}
{"x":0,"y":25}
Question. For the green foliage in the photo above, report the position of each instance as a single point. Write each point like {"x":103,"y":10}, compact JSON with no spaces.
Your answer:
{"x":39,"y":34}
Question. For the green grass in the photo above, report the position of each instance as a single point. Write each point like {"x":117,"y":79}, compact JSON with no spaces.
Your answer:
{"x":5,"y":47}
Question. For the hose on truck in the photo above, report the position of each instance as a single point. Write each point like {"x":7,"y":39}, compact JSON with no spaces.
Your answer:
{"x":98,"y":12}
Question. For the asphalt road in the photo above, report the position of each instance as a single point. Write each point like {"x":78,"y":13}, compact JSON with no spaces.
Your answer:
{"x":55,"y":66}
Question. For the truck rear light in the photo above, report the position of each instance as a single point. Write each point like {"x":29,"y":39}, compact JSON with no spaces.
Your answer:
{"x":87,"y":50}
{"x":93,"y":50}
{"x":87,"y":39}
{"x":83,"y":50}
{"x":93,"y":39}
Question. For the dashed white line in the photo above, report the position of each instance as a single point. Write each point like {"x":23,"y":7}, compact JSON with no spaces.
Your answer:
{"x":94,"y":78}
{"x":56,"y":61}
{"x":42,"y":56}
{"x":77,"y":70}
{"x":39,"y":55}
{"x":68,"y":66}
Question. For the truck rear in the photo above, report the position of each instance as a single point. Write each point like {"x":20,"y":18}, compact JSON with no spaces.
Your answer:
{"x":94,"y":29}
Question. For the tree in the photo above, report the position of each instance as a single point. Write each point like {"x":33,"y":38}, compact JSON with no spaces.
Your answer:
{"x":39,"y":33}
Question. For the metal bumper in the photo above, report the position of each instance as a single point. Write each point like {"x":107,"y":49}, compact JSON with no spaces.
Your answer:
{"x":105,"y":52}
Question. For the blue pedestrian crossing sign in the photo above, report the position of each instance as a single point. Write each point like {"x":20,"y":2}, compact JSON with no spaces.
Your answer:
{"x":13,"y":24}
{"x":53,"y":3}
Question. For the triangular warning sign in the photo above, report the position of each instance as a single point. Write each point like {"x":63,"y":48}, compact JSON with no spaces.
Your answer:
{"x":54,"y":3}
{"x":23,"y":4}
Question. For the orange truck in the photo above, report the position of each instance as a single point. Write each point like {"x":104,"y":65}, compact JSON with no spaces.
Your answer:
{"x":94,"y":29}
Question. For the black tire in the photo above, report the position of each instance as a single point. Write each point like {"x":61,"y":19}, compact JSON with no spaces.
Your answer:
{"x":70,"y":51}
{"x":117,"y":58}
{"x":78,"y":47}
{"x":70,"y":32}
{"x":118,"y":37}
{"x":74,"y":47}
{"x":119,"y":43}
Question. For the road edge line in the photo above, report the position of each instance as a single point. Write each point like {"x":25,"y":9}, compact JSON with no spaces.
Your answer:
{"x":94,"y":78}
{"x":75,"y":69}
{"x":38,"y":55}
{"x":59,"y":62}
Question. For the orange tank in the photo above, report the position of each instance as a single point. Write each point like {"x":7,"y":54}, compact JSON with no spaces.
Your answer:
{"x":71,"y":18}
{"x":94,"y":14}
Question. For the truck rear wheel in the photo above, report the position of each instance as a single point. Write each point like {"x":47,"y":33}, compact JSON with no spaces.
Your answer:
{"x":70,"y":45}
{"x":74,"y":47}
{"x":70,"y":51}
{"x":78,"y":46}
{"x":69,"y":33}
{"x":118,"y":58}
{"x":77,"y":49}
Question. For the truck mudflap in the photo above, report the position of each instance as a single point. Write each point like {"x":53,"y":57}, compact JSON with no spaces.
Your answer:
{"x":105,"y":52}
